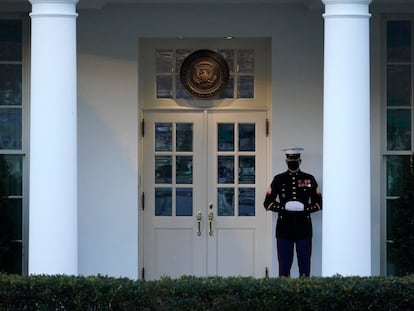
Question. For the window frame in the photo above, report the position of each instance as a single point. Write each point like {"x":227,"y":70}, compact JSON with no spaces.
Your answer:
{"x":24,"y":151}
{"x":385,"y":152}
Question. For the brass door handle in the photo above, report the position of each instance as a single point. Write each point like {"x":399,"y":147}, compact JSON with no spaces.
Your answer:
{"x":198,"y":222}
{"x":210,"y":223}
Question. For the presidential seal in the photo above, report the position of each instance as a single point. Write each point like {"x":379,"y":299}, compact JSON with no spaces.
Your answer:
{"x":204,"y":74}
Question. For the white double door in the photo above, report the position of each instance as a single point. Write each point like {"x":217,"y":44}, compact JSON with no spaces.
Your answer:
{"x":204,"y":177}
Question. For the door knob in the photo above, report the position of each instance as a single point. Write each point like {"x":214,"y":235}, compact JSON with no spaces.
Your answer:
{"x":199,"y":216}
{"x":210,"y":223}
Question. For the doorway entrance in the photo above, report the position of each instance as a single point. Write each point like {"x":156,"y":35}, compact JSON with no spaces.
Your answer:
{"x":204,"y":176}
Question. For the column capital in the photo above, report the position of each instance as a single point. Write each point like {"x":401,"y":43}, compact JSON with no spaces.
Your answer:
{"x":326,"y":2}
{"x":54,"y":1}
{"x":62,"y":8}
{"x":347,"y":8}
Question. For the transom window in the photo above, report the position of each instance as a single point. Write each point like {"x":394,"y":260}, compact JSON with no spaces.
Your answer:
{"x":241,"y":66}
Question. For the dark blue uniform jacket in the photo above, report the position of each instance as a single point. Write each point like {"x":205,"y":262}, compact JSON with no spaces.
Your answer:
{"x":293,"y":186}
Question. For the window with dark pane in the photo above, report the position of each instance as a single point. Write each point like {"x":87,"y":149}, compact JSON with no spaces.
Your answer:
{"x":225,"y":167}
{"x":399,"y":129}
{"x":247,"y":169}
{"x":11,"y":38}
{"x":247,"y":137}
{"x":247,"y":201}
{"x":165,"y":86}
{"x":163,"y":201}
{"x":225,"y":132}
{"x":163,"y":169}
{"x":181,"y":54}
{"x":396,"y":173}
{"x":184,"y":202}
{"x":11,"y":85}
{"x":399,"y":38}
{"x":184,"y":137}
{"x":245,"y":80}
{"x":399,"y":85}
{"x":225,"y":201}
{"x":164,"y":61}
{"x":399,"y":125}
{"x":11,"y":145}
{"x":163,"y":136}
{"x":184,"y":169}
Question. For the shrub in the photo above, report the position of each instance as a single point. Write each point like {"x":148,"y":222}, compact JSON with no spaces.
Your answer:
{"x":210,"y":293}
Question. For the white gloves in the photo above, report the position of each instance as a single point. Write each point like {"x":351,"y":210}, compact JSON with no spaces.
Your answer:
{"x":294,"y":206}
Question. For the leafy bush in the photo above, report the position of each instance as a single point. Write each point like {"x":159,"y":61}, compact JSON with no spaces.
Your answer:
{"x":210,"y":293}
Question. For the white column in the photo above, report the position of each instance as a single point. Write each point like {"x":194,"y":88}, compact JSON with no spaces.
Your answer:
{"x":346,"y":235}
{"x":53,"y":144}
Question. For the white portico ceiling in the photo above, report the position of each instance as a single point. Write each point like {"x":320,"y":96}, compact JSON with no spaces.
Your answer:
{"x":101,"y":3}
{"x":9,"y":5}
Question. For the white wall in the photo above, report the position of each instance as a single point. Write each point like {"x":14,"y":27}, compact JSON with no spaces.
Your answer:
{"x":108,"y":110}
{"x":297,"y":90}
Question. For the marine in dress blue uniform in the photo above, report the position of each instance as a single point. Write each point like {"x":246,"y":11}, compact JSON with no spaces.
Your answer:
{"x":294,"y":195}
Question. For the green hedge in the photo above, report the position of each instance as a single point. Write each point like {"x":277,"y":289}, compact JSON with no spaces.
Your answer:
{"x":210,"y":293}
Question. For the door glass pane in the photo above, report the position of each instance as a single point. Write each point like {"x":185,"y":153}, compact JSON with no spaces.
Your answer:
{"x":225,"y":170}
{"x":398,"y":129}
{"x":399,"y":41}
{"x":247,"y":199}
{"x":163,"y":202}
{"x":225,"y":199}
{"x":247,"y":167}
{"x":184,"y":202}
{"x":163,"y":169}
{"x":247,"y":137}
{"x":184,"y":170}
{"x":225,"y":137}
{"x":10,"y":84}
{"x":163,"y":137}
{"x":184,"y":137}
{"x":10,"y":128}
{"x":397,"y":168}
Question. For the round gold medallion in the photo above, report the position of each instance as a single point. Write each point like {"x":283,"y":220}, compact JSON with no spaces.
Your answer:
{"x":204,"y":74}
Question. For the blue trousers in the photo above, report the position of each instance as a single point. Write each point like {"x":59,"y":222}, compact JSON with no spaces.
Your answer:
{"x":285,"y":256}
